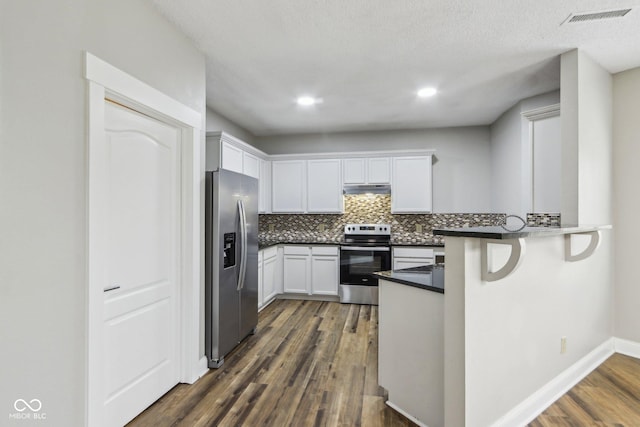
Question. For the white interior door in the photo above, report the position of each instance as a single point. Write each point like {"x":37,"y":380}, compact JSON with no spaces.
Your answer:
{"x":141,"y":310}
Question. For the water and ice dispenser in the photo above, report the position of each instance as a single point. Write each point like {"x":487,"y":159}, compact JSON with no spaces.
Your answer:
{"x":229,"y":250}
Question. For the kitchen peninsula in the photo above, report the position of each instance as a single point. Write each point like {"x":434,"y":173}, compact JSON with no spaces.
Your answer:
{"x":529,"y":305}
{"x":526,"y":317}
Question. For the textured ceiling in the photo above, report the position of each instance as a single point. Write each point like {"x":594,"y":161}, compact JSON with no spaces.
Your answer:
{"x":367,"y":58}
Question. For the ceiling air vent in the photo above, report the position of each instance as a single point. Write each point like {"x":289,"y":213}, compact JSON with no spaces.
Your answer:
{"x":594,"y":16}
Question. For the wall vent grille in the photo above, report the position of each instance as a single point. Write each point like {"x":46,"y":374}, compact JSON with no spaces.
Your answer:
{"x":594,"y":16}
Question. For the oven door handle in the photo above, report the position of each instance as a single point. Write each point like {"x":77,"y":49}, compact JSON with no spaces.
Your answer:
{"x":365,"y":248}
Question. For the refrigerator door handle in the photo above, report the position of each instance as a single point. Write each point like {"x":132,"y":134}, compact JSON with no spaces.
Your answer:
{"x":243,"y":242}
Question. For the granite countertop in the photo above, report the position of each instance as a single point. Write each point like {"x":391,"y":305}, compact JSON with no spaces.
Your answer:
{"x":428,"y":277}
{"x":268,"y":243}
{"x":500,"y":233}
{"x":429,"y":243}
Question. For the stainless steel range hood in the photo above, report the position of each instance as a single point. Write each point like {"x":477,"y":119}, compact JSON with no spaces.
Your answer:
{"x":367,"y":189}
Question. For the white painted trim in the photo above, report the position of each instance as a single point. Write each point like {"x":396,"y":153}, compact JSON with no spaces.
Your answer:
{"x":626,"y":347}
{"x":138,"y":92}
{"x":406,"y":414}
{"x":223,"y":136}
{"x":542,"y":112}
{"x":203,"y":367}
{"x":535,"y":404}
{"x":352,"y":154}
{"x":106,"y":81}
{"x":533,"y":115}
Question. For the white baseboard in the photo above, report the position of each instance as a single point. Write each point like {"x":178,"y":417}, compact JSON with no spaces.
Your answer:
{"x":409,"y":416}
{"x":535,"y":404}
{"x":202,"y":367}
{"x":626,"y":347}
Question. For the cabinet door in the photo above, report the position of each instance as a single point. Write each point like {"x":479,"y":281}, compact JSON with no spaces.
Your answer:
{"x":324,"y":186}
{"x":324,"y":275}
{"x":288,"y":186}
{"x":355,"y":171}
{"x":264,"y":191}
{"x":379,"y":170}
{"x":269,"y":271}
{"x":231,"y":157}
{"x":260,"y":279}
{"x":411,"y":185}
{"x":250,"y":165}
{"x":296,"y":274}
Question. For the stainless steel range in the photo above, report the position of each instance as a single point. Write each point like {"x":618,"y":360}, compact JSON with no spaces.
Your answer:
{"x":366,"y":249}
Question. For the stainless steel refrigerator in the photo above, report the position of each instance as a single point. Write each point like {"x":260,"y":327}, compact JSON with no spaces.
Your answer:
{"x":231,"y":262}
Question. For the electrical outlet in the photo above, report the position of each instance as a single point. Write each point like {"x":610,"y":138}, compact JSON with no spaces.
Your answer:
{"x":321,"y":227}
{"x":418,"y":228}
{"x":563,"y":345}
{"x":272,"y":227}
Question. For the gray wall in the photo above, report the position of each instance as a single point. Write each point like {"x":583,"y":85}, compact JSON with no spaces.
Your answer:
{"x":511,"y":156}
{"x":461,"y":174}
{"x":217,"y":122}
{"x":626,"y":175}
{"x":43,"y":185}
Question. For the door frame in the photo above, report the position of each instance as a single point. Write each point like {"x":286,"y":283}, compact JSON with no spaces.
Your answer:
{"x":105,"y":81}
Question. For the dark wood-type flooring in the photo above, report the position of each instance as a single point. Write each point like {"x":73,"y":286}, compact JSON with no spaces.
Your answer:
{"x":315,"y":364}
{"x":608,"y":396}
{"x":310,"y":364}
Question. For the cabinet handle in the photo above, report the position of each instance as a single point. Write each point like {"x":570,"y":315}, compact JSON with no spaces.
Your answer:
{"x":112,"y":288}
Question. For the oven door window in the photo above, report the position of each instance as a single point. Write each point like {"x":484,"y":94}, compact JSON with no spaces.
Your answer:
{"x":356,"y":266}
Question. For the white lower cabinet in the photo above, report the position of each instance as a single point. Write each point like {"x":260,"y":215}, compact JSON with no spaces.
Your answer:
{"x":311,"y":270}
{"x":260,"y":279}
{"x":407,"y":257}
{"x":268,"y":275}
{"x":325,"y":269}
{"x":297,"y":269}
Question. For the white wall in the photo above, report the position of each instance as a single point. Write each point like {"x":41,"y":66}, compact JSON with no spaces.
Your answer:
{"x":587,"y":140}
{"x":43,"y":171}
{"x":626,"y":176}
{"x":504,"y":336}
{"x":511,"y":156}
{"x":461,"y":173}
{"x":217,"y":122}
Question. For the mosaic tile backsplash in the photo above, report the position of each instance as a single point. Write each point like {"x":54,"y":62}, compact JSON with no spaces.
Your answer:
{"x":543,"y":219}
{"x":366,"y":209}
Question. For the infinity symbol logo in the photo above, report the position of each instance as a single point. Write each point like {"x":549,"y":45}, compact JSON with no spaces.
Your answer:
{"x":21,"y":405}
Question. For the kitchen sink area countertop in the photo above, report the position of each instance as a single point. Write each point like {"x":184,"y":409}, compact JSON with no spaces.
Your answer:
{"x":428,"y":277}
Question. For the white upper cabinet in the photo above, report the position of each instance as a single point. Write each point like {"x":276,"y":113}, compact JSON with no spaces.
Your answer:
{"x":231,"y":157}
{"x":324,"y":186}
{"x":355,"y":171}
{"x":374,"y":170}
{"x":379,"y":170}
{"x":411,"y":191}
{"x":264,"y":197}
{"x":250,"y":165}
{"x":288,"y":186}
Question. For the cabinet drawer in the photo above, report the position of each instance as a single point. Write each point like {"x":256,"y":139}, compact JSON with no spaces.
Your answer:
{"x":296,"y":250}
{"x":324,"y":250}
{"x":407,"y":252}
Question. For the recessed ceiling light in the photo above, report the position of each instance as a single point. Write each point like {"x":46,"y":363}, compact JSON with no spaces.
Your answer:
{"x":307,"y":101}
{"x":426,"y":92}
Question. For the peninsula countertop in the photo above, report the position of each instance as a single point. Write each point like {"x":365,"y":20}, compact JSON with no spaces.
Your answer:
{"x":502,"y":233}
{"x":428,"y":277}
